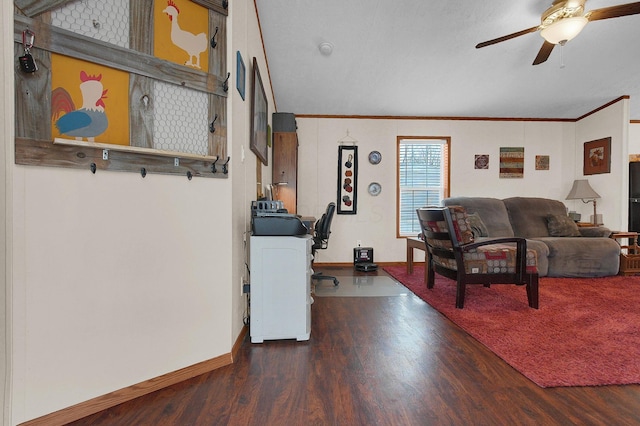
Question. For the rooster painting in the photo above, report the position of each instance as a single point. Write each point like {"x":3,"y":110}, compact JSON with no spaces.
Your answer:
{"x":90,"y":120}
{"x":192,"y":44}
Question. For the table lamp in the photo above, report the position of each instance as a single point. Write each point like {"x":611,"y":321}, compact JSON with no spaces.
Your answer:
{"x":581,"y":190}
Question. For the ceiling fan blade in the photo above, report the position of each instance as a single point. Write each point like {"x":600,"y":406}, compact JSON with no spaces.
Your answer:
{"x":507,"y":37}
{"x":544,"y":53}
{"x":615,"y":11}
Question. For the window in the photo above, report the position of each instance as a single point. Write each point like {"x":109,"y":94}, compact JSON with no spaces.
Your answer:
{"x":423,"y":178}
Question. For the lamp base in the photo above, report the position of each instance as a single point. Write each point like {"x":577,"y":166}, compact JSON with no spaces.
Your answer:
{"x":598,"y":219}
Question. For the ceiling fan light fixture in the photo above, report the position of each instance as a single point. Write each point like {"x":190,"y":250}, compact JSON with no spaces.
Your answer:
{"x":564,"y":29}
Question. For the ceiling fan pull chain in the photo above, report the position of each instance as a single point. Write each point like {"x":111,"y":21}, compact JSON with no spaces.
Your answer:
{"x":562,"y":55}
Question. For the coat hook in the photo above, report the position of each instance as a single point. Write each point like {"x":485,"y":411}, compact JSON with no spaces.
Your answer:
{"x":213,"y":166}
{"x":225,"y":85}
{"x":189,"y":175}
{"x":214,"y":43}
{"x":225,"y":4}
{"x":93,"y":168}
{"x":225,"y":167}
{"x":212,"y":126}
{"x":143,"y":172}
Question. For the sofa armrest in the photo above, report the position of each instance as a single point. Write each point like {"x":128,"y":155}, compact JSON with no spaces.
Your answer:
{"x":594,"y":231}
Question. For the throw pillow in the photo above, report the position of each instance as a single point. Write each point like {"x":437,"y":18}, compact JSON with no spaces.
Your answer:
{"x":461,"y":224}
{"x":562,"y":226}
{"x":478,"y":227}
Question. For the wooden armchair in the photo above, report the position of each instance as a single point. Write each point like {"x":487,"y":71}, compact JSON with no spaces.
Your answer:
{"x":453,"y":253}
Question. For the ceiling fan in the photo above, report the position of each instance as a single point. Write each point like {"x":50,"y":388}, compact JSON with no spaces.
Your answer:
{"x":563,"y":21}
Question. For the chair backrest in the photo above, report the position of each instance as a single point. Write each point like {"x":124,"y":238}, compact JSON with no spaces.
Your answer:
{"x":437,"y":236}
{"x":444,"y":230}
{"x":323,"y":227}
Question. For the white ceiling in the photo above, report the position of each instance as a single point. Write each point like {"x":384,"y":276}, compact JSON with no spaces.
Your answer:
{"x":418,"y":58}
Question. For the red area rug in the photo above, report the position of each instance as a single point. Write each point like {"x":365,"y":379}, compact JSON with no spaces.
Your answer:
{"x":586,"y":332}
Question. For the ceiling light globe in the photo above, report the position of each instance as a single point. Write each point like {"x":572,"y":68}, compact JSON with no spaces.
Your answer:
{"x":564,"y":30}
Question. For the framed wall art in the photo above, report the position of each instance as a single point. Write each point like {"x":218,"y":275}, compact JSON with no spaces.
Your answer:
{"x":597,"y":157}
{"x":542,"y":162}
{"x":481,"y":161}
{"x":347,"y":179}
{"x":259,"y":116}
{"x":240,"y":74}
{"x":511,"y":162}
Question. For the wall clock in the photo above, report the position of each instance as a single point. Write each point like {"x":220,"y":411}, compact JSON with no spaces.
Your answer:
{"x":375,"y":157}
{"x":374,"y":188}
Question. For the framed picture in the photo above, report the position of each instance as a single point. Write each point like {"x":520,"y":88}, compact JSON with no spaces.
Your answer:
{"x":597,"y":157}
{"x":259,"y":116}
{"x":542,"y":162}
{"x":511,"y":162}
{"x":347,"y":179}
{"x":481,"y":161}
{"x":240,"y":74}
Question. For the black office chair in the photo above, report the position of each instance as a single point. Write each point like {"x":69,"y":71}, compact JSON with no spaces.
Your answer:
{"x":321,"y":234}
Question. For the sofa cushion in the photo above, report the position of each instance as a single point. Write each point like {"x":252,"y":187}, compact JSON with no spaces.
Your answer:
{"x":528,"y":215}
{"x":582,"y":257}
{"x":562,"y":226}
{"x":492,"y":211}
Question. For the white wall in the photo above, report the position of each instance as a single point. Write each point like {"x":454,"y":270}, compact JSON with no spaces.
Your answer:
{"x":374,"y":224}
{"x":634,"y":138}
{"x":6,"y":154}
{"x":116,"y":279}
{"x":246,"y":38}
{"x":613,"y":187}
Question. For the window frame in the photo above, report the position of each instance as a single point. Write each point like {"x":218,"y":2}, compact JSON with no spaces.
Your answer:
{"x":446,"y":168}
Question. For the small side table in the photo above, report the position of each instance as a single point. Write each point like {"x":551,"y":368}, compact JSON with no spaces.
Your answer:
{"x":413,"y":243}
{"x":629,"y":254}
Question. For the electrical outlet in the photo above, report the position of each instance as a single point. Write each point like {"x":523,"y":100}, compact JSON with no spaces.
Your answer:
{"x":359,"y":243}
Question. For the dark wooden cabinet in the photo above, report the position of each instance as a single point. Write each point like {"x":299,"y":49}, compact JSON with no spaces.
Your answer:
{"x":285,"y":169}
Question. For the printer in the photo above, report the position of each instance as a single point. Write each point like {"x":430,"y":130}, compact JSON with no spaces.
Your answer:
{"x":270,"y":218}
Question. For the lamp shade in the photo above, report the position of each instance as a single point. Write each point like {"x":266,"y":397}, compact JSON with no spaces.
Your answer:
{"x":564,"y":29}
{"x":582,"y":190}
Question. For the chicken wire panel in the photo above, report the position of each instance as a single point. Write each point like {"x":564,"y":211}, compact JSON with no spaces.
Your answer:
{"x":100,"y":20}
{"x":180,"y":121}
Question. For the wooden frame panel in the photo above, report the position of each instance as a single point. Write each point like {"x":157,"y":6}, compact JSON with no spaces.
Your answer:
{"x":32,"y":91}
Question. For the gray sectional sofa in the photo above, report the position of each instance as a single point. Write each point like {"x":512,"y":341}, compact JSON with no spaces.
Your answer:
{"x":563,"y":249}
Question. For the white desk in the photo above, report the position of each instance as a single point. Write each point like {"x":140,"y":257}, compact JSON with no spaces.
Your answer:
{"x":280,"y":287}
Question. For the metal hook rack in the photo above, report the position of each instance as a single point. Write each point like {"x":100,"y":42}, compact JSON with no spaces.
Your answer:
{"x":225,"y":167}
{"x":212,"y":126}
{"x":214,"y":43}
{"x":225,"y":85}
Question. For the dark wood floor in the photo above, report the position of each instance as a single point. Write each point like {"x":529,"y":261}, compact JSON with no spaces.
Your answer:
{"x":376,"y":360}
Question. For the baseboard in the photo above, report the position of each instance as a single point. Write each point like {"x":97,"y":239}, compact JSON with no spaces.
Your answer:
{"x":318,"y":265}
{"x":92,"y":406}
{"x":236,"y":346}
